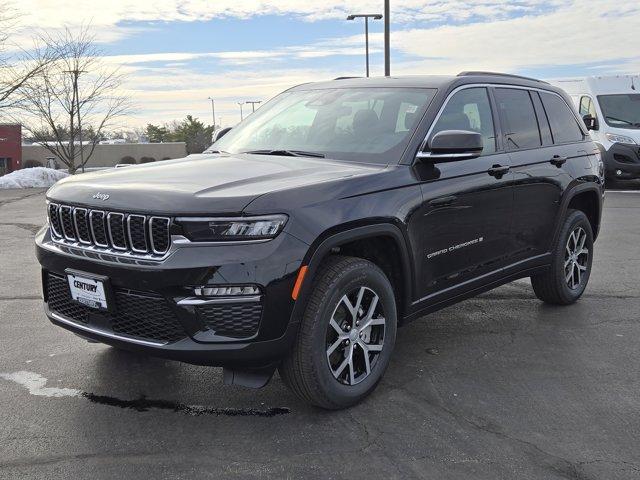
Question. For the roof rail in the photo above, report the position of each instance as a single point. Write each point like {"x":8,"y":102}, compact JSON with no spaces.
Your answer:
{"x":495,"y":74}
{"x":345,"y":78}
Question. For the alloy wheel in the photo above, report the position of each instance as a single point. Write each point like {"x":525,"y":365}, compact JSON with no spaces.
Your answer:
{"x":576,"y":258}
{"x":355,"y":336}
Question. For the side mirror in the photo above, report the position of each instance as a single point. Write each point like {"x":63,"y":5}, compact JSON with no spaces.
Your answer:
{"x":220,"y":133}
{"x":590,"y":121}
{"x":451,"y":146}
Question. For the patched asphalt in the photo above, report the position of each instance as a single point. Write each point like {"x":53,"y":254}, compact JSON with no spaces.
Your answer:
{"x":497,"y":387}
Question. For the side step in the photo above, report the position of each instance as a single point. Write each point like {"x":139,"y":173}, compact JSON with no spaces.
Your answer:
{"x":251,"y":378}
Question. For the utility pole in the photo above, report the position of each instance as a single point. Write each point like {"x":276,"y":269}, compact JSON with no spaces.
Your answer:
{"x":213,"y":113}
{"x":253,"y":104}
{"x":387,"y":39}
{"x":366,"y":16}
{"x":75,"y":74}
{"x":241,"y":115}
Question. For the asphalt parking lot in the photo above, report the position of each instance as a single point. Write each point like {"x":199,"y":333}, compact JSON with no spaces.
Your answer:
{"x":498,"y":387}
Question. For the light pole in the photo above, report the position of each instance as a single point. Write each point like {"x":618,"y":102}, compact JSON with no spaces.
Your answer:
{"x":387,"y":39}
{"x":366,"y":16}
{"x":213,"y":112}
{"x":241,"y":115}
{"x":253,"y":104}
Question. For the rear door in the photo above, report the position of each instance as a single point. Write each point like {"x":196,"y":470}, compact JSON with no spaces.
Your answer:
{"x":540,"y":143}
{"x":467,"y":204}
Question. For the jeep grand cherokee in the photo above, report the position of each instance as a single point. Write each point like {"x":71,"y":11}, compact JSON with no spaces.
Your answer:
{"x":332,"y":215}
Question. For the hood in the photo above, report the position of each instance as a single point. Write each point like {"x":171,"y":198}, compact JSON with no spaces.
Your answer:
{"x":199,"y":184}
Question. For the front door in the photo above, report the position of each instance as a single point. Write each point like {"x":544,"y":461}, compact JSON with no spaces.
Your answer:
{"x":467,"y":204}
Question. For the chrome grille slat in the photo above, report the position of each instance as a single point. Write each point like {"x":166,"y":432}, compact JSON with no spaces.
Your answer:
{"x":80,"y":221}
{"x":116,"y":228}
{"x":98,"y":230}
{"x":66,"y":219}
{"x":137,"y":233}
{"x":54,"y":219}
{"x":159,"y":234}
{"x":121,"y":233}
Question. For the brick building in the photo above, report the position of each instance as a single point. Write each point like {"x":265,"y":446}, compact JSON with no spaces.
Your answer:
{"x":10,"y":148}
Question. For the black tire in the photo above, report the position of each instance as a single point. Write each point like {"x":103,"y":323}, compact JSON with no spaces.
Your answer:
{"x":552,"y":286}
{"x":307,"y":370}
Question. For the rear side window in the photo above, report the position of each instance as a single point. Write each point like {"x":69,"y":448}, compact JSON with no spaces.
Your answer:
{"x":564,"y":126}
{"x":543,"y":121}
{"x":520,"y":123}
{"x":470,"y":110}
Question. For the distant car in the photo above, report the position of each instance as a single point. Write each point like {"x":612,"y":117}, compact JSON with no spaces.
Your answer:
{"x":610,"y":107}
{"x":336,"y":212}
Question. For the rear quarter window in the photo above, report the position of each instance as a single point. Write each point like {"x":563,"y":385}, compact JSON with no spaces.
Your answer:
{"x":564,"y":126}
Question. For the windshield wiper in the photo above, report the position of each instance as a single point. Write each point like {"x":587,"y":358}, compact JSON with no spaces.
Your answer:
{"x":620,"y":120}
{"x":287,"y":153}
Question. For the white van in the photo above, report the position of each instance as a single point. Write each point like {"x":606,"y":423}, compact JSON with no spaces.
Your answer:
{"x":610,"y":107}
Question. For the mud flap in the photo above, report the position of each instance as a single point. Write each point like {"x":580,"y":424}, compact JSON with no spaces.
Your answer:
{"x":251,"y":378}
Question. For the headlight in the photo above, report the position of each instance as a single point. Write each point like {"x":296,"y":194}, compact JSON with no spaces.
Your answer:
{"x":232,"y":229}
{"x":614,"y":138}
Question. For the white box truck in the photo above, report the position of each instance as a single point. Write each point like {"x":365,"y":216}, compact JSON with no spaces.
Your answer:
{"x":610,"y":107}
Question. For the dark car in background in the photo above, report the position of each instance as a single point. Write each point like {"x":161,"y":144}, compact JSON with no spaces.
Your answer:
{"x":337,"y":212}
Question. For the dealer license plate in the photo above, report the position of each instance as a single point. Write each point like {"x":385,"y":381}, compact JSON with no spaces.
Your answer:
{"x":88,"y":291}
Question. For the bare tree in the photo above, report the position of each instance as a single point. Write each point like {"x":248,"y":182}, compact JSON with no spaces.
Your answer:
{"x":17,"y":65}
{"x":74,"y":100}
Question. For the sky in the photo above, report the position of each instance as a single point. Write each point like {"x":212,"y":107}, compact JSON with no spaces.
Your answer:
{"x":177,"y":54}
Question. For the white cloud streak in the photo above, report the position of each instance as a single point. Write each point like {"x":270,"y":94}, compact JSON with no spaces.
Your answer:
{"x":458,"y":35}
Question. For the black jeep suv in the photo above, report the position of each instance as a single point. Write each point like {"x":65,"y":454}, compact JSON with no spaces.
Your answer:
{"x":333,"y":214}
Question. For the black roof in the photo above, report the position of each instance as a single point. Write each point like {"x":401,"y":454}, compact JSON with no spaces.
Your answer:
{"x":430,"y":81}
{"x":419,"y":81}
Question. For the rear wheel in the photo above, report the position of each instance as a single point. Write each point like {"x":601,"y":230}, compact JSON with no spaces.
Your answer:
{"x":566,"y":280}
{"x":346,"y":336}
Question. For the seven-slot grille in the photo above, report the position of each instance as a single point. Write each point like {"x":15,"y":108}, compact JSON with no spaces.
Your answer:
{"x":124,"y":232}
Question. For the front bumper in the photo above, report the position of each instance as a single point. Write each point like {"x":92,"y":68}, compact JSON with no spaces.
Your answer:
{"x":157,"y":314}
{"x":624,"y":159}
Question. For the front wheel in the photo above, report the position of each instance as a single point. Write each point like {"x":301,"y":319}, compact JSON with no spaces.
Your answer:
{"x":567,"y":278}
{"x":346,"y":335}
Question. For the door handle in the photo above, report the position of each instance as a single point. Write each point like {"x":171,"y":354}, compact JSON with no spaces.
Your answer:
{"x":558,"y":160}
{"x":443,"y":201}
{"x":498,"y":171}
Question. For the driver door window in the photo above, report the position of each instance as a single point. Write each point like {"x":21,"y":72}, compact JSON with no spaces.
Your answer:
{"x":470,"y":110}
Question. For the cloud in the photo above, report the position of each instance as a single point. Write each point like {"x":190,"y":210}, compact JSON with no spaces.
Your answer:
{"x":583,"y":32}
{"x":48,"y":14}
{"x":428,"y":37}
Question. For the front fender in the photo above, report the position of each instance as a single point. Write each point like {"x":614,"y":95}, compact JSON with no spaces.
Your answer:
{"x":343,"y":235}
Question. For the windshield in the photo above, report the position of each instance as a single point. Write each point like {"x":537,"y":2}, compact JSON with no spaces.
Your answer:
{"x":363,"y":125}
{"x":621,"y":111}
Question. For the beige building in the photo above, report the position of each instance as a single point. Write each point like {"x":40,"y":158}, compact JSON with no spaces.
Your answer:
{"x":112,"y":154}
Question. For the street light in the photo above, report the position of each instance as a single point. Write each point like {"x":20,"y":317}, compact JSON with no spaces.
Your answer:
{"x":241,"y":115}
{"x":253,"y":104}
{"x":366,"y":16}
{"x":387,"y":39}
{"x":213,"y":112}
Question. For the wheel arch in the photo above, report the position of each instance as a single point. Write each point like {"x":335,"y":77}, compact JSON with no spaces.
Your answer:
{"x":346,"y":241}
{"x":588,"y":199}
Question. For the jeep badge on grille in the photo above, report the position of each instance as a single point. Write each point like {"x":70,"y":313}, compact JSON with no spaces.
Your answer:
{"x":101,"y":196}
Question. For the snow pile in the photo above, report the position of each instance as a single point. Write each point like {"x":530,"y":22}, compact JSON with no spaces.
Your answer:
{"x":32,"y":178}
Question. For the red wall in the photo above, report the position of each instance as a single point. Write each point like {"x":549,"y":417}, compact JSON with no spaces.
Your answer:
{"x":11,"y":145}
